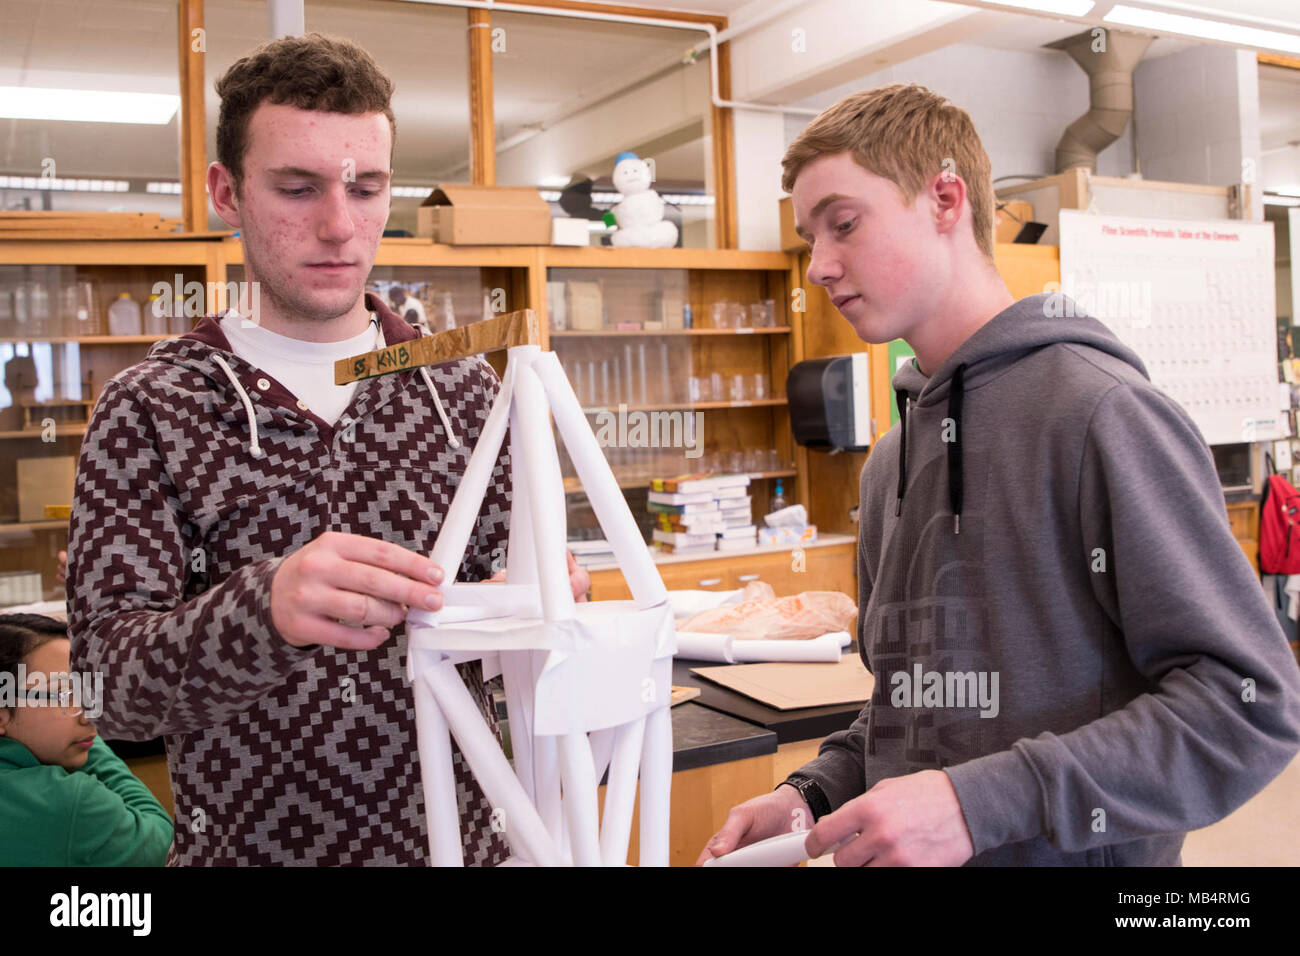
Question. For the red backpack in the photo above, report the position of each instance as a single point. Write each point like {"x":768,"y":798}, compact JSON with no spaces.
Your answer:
{"x":1279,"y":525}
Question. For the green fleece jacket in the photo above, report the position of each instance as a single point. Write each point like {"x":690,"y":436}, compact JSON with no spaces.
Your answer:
{"x":100,"y":815}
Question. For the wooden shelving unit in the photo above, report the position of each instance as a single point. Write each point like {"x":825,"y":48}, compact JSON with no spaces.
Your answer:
{"x":519,"y":273}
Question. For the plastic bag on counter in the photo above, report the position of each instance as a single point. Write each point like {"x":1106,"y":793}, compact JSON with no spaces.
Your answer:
{"x":763,"y":616}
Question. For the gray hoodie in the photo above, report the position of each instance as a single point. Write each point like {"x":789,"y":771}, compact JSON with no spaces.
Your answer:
{"x":1055,"y":610}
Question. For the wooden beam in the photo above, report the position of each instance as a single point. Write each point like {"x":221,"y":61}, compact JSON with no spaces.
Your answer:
{"x":482,"y":135}
{"x":626,"y":10}
{"x":1274,"y":59}
{"x":724,"y":158}
{"x":490,"y":335}
{"x":194,"y":160}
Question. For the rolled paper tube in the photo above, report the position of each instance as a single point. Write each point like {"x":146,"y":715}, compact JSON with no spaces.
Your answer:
{"x":602,"y":490}
{"x":602,"y":748}
{"x":546,"y":766}
{"x":545,"y":491}
{"x":453,"y":536}
{"x":521,"y":561}
{"x":480,"y":601}
{"x":521,"y":825}
{"x":517,"y":677}
{"x":581,"y":809}
{"x":826,"y":648}
{"x":701,"y":646}
{"x":620,"y":793}
{"x":437,"y":775}
{"x":787,"y":849}
{"x":656,"y":787}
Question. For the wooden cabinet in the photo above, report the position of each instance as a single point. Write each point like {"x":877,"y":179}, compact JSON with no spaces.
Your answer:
{"x":826,"y":566}
{"x":656,"y":364}
{"x":1243,"y":518}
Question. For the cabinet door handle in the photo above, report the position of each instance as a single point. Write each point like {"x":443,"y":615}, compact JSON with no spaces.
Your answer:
{"x":747,"y":577}
{"x":709,"y":582}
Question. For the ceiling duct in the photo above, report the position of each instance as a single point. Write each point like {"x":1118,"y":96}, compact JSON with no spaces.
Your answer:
{"x":1109,"y":59}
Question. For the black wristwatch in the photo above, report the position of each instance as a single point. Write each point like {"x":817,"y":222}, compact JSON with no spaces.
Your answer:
{"x":812,"y":794}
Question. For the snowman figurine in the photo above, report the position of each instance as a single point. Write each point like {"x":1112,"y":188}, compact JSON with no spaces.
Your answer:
{"x":640,"y":216}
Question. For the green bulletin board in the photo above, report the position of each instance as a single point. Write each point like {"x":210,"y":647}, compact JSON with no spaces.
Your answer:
{"x":899,"y":351}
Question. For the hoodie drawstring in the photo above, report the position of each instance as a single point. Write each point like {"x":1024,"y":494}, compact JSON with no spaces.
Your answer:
{"x":452,"y":440}
{"x":900,"y":396}
{"x":955,"y":475}
{"x":255,"y":448}
{"x":955,"y":478}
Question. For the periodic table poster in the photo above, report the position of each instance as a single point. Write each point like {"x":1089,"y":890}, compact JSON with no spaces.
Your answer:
{"x":1195,"y":300}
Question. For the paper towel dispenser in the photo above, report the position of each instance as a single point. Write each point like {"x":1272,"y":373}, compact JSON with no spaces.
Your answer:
{"x":830,"y":402}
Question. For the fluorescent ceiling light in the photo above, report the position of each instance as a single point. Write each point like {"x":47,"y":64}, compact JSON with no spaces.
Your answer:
{"x":410,"y":192}
{"x":688,"y":199}
{"x":173,"y":189}
{"x":677,"y":199}
{"x":65,"y":185}
{"x":1066,"y":8}
{"x":1233,"y":33}
{"x":87,"y":106}
{"x":549,"y":195}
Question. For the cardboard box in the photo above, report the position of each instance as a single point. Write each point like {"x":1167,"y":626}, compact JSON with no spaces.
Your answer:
{"x":585,"y":305}
{"x":44,"y":481}
{"x":556,"y":306}
{"x":570,"y":232}
{"x":790,"y":241}
{"x":463,"y":215}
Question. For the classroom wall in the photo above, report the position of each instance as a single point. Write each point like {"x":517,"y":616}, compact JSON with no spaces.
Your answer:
{"x":1021,"y":103}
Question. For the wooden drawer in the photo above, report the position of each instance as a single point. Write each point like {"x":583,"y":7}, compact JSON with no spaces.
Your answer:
{"x":1244,"y":520}
{"x":706,"y":575}
{"x":829,"y":568}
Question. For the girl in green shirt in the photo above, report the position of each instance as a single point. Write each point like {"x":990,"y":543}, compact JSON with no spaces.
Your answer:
{"x":65,"y":798}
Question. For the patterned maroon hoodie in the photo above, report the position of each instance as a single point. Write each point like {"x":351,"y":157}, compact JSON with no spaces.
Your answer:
{"x":182,"y":515}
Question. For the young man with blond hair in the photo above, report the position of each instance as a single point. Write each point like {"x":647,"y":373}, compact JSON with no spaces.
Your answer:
{"x":1074,"y":661}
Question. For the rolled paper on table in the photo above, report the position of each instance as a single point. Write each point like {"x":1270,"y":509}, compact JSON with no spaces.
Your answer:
{"x":545,"y":489}
{"x":457,"y":525}
{"x":826,"y":648}
{"x":602,"y":489}
{"x":703,"y":646}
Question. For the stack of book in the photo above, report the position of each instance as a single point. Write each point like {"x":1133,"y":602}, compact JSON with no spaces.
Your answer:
{"x":699,"y":513}
{"x":592,"y":552}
